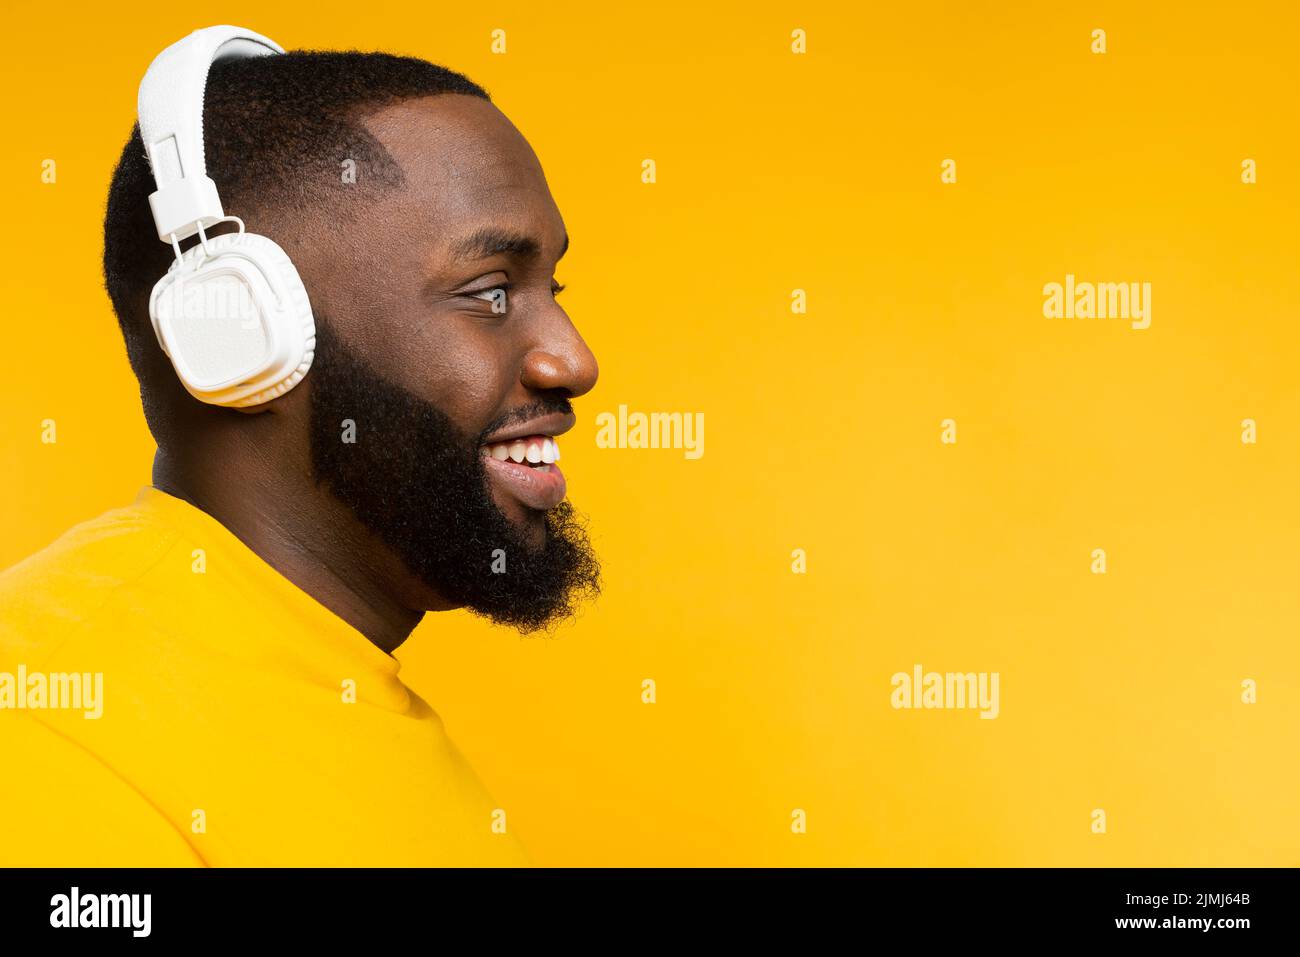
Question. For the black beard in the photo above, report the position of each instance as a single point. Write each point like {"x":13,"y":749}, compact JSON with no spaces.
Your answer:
{"x":419,"y":484}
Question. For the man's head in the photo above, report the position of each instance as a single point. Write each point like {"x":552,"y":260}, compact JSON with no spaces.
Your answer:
{"x":426,"y":236}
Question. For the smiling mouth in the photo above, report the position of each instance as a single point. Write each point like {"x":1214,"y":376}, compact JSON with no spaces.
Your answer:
{"x":526,"y":469}
{"x":537,"y":451}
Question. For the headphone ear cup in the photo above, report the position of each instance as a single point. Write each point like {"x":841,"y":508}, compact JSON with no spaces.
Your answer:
{"x":235,"y":320}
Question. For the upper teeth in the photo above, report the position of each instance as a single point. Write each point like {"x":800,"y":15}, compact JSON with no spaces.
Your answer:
{"x":534,"y":450}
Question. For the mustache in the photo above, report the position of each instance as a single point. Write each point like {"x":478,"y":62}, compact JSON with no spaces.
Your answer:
{"x":543,"y":406}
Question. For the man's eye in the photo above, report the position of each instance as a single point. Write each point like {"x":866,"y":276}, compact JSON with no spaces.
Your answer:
{"x":498,"y":296}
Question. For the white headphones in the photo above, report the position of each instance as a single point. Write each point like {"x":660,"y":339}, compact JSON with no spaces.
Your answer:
{"x":231,"y":313}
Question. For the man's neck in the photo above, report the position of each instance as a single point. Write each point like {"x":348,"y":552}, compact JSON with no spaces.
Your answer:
{"x":309,"y":538}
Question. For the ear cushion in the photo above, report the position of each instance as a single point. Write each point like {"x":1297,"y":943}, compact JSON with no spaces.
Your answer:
{"x":283,"y":304}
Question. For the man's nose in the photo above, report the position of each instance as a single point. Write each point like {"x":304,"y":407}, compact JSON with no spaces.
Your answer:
{"x":562,"y":362}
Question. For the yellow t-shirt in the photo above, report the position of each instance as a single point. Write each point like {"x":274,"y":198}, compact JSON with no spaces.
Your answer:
{"x":226,"y":734}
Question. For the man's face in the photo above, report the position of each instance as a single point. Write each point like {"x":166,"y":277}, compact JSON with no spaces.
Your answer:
{"x":442,"y":340}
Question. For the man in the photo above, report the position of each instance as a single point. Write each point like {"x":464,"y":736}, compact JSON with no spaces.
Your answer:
{"x":234,"y":625}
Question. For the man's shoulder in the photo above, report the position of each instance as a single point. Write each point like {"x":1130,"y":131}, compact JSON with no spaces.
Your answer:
{"x":52,"y":593}
{"x":64,"y":807}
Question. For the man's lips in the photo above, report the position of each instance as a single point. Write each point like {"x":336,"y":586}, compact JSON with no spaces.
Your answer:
{"x":523,"y":466}
{"x":557,"y":423}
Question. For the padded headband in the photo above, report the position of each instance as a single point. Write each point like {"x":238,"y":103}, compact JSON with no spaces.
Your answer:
{"x":171,"y":125}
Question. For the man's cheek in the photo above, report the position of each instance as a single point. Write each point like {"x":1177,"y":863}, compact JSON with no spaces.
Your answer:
{"x":469,"y":405}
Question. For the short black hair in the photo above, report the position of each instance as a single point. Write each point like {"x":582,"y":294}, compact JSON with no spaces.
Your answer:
{"x":277,"y":131}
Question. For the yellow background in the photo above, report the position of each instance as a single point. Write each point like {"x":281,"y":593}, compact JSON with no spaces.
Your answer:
{"x":821,"y":172}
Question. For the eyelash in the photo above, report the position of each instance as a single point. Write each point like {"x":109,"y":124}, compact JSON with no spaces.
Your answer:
{"x":486,"y":294}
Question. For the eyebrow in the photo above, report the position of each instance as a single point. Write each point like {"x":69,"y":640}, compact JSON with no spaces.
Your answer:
{"x":488,"y":241}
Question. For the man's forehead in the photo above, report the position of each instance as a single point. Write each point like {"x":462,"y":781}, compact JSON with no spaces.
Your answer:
{"x":454,"y":139}
{"x":464,"y":165}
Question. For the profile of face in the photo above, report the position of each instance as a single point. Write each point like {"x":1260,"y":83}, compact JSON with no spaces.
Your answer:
{"x":443,"y":357}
